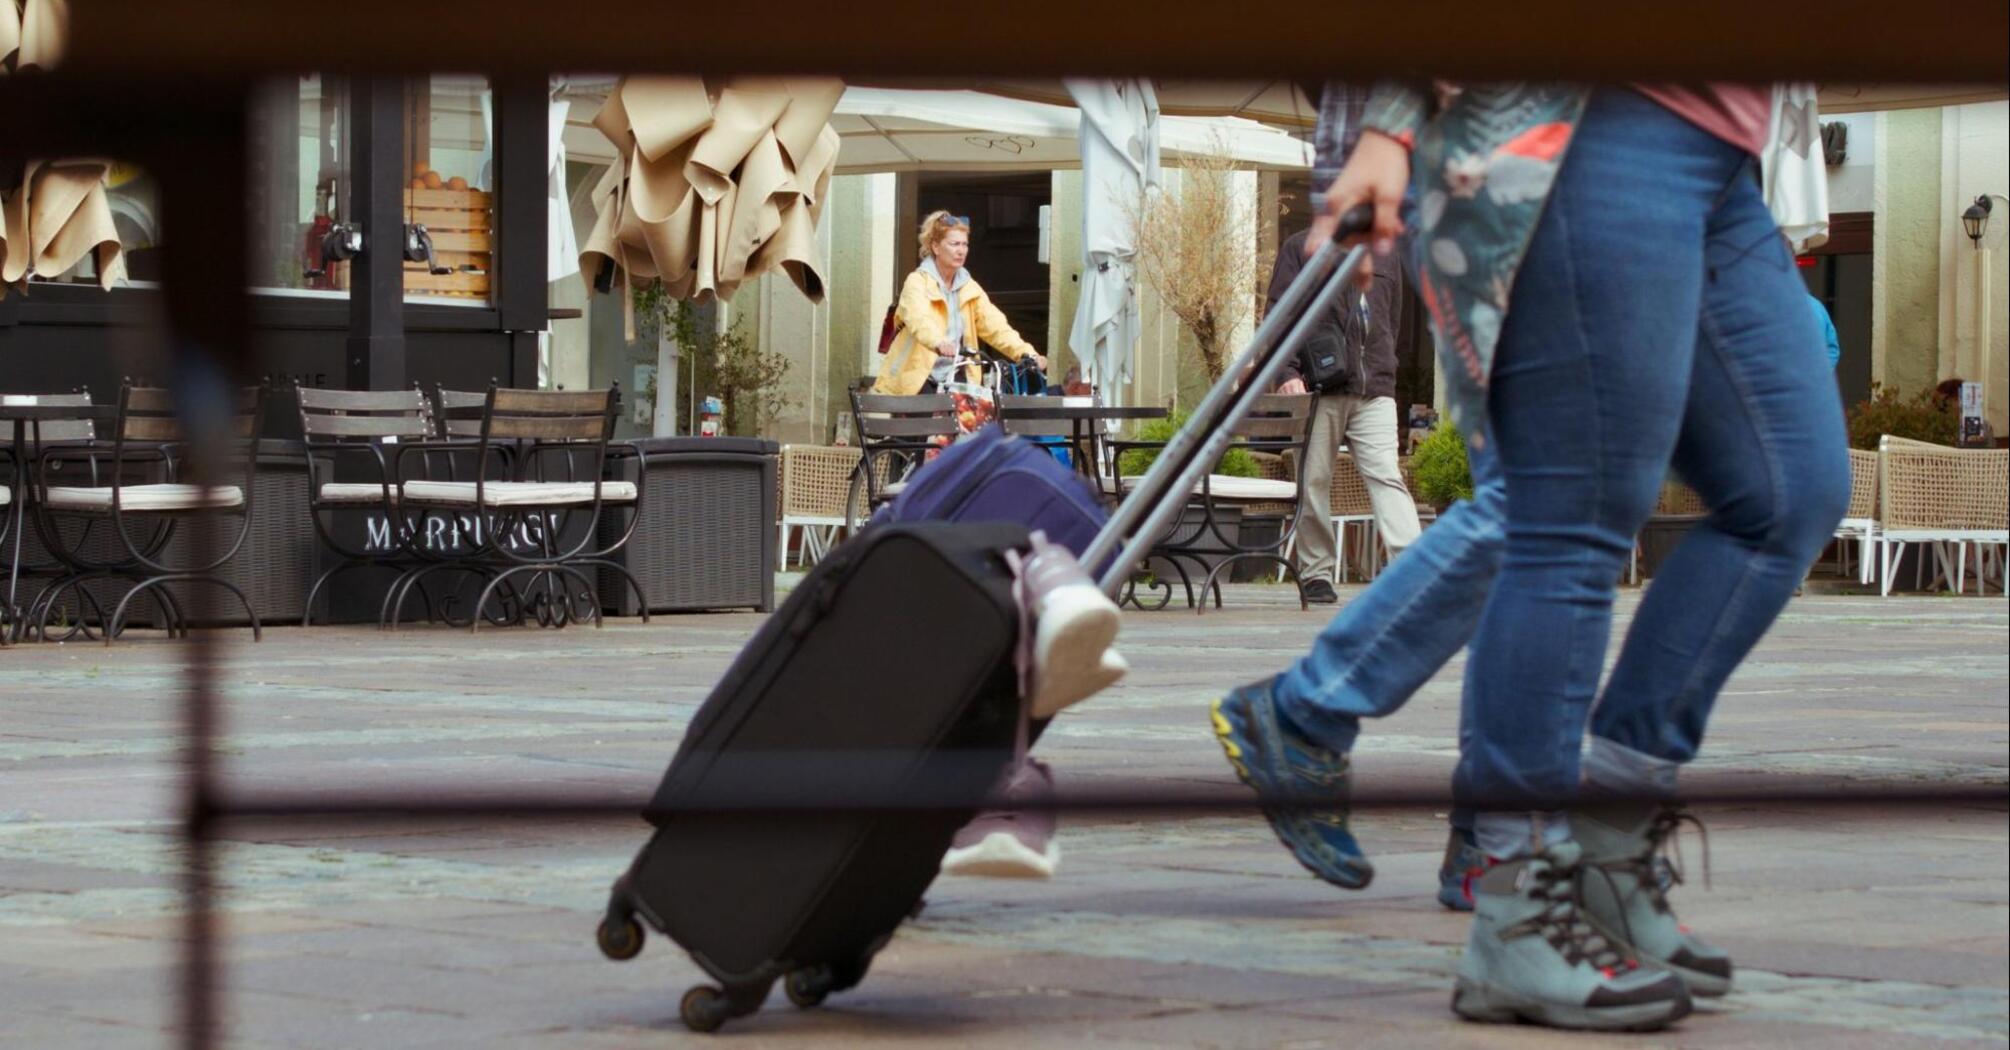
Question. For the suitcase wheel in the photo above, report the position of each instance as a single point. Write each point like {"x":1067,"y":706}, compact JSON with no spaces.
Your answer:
{"x":620,"y":937}
{"x":808,"y":987}
{"x":704,"y":1008}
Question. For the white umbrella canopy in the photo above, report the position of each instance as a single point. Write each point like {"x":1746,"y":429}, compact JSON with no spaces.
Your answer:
{"x":1120,"y":164}
{"x":910,"y":129}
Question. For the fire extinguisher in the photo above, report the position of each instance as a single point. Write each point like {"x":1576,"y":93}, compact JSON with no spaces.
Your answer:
{"x":315,"y":268}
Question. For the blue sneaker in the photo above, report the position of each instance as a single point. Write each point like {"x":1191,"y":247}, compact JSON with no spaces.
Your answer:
{"x":1279,"y":763}
{"x":1463,"y":862}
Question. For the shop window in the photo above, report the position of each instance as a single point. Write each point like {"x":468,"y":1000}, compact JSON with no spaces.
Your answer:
{"x":450,"y":155}
{"x":298,"y":182}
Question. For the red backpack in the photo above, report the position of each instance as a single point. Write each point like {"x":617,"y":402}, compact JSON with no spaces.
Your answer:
{"x":889,"y":328}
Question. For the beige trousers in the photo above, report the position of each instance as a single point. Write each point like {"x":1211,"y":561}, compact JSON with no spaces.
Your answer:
{"x":1369,"y":427}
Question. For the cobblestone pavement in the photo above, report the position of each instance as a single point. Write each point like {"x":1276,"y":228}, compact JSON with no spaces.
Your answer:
{"x":1868,"y":926}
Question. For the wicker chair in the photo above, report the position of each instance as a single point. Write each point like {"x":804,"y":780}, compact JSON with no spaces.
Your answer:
{"x":1677,"y":502}
{"x":1859,"y":523}
{"x":815,"y":482}
{"x":1933,"y":494}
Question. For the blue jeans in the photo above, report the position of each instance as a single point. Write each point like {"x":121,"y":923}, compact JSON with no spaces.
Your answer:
{"x":1657,"y":319}
{"x":1384,"y":645}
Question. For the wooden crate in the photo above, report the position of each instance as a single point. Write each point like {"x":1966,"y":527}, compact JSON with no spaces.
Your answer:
{"x":459,"y":221}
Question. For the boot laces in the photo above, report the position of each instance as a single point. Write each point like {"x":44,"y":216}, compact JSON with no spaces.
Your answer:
{"x":1561,"y":921}
{"x":1659,"y":867}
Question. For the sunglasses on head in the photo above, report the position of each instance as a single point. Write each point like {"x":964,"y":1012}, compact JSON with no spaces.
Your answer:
{"x":956,"y":220}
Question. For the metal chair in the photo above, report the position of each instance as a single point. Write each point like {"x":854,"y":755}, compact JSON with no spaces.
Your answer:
{"x":518,"y":522}
{"x":147,"y":434}
{"x":346,"y":431}
{"x":1280,"y":425}
{"x":14,"y":523}
{"x":896,"y":433}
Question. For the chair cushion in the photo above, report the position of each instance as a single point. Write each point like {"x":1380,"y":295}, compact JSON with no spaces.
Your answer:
{"x":355,"y":492}
{"x":520,"y":493}
{"x":145,"y":497}
{"x":1228,"y":487}
{"x":6,"y":496}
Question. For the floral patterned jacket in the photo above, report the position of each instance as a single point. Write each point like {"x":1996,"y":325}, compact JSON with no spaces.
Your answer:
{"x":1482,"y":160}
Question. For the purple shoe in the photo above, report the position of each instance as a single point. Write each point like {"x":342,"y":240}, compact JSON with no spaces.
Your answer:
{"x":1010,"y":843}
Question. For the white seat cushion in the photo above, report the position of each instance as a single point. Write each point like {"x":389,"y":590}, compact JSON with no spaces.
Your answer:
{"x":355,"y":492}
{"x":146,"y":497}
{"x":520,"y":493}
{"x":1228,"y":487}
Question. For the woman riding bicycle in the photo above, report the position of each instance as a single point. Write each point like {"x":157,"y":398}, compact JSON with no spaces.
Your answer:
{"x":942,"y":314}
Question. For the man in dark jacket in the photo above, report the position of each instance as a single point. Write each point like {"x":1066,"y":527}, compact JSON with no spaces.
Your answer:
{"x":1350,"y":363}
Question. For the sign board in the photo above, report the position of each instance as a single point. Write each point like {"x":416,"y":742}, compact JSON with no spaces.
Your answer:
{"x":1971,"y":413}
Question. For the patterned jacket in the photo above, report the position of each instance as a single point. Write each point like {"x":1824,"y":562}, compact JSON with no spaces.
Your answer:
{"x":1482,"y":160}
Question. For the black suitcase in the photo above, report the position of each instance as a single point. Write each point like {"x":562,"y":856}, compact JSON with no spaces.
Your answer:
{"x":831,"y":694}
{"x":818,"y":787}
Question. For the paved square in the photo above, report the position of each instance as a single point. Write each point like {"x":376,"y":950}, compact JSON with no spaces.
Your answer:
{"x":1870,"y":926}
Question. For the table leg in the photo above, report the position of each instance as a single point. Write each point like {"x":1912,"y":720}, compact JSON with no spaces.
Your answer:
{"x":16,"y":510}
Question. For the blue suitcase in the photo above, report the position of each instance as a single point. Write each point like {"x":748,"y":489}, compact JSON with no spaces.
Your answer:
{"x":994,"y":477}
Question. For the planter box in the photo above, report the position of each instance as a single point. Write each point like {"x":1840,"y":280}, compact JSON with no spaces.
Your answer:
{"x":707,"y":535}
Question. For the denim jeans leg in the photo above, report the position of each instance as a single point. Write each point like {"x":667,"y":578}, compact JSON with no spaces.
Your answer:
{"x":1763,"y":443}
{"x":1385,"y":644}
{"x":1588,"y":388}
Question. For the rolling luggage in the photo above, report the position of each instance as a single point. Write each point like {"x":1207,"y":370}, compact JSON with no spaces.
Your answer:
{"x":992,"y":477}
{"x":815,"y":791}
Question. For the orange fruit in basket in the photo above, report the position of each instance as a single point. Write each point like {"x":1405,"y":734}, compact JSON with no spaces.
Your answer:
{"x":418,"y":184}
{"x":420,"y":169}
{"x":457,"y":183}
{"x":432,"y":180}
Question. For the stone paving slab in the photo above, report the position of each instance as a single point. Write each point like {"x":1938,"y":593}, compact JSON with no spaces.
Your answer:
{"x":1867,"y":926}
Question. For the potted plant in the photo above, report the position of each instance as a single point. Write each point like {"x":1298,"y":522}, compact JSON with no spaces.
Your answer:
{"x":1443,"y":474}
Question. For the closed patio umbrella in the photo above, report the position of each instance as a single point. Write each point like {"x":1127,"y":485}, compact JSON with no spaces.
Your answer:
{"x":57,"y":215}
{"x":718,"y":182}
{"x":1120,"y":162}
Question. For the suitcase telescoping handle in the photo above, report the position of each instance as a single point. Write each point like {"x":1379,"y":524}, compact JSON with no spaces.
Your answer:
{"x":1191,"y":452}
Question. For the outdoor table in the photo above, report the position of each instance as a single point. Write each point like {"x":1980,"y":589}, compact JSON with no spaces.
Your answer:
{"x":1084,"y":419}
{"x":23,"y":409}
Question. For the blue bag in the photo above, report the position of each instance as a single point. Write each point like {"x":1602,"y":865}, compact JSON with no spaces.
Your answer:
{"x":991,"y":476}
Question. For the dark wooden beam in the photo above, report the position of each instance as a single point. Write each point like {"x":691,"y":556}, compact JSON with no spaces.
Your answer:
{"x":1593,"y":40}
{"x":375,"y":359}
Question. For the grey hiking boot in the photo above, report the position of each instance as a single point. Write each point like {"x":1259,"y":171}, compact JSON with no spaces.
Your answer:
{"x":1628,"y":901}
{"x":1532,"y":957}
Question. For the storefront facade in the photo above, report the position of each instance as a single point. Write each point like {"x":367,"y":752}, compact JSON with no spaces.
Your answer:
{"x":465,"y":158}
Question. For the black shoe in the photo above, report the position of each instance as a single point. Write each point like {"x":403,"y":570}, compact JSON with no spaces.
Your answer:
{"x":1319,"y":591}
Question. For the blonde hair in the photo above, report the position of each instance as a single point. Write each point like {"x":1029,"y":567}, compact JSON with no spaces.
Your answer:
{"x":937,"y":226}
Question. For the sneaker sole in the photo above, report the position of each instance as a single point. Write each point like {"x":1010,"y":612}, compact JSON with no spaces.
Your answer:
{"x":1224,"y":734}
{"x":1000,"y":855}
{"x":1492,"y":1004}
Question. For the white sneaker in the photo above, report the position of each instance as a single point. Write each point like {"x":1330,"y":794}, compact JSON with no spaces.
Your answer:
{"x":1074,"y":626}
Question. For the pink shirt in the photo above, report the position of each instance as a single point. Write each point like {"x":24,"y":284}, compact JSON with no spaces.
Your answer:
{"x":1740,"y":114}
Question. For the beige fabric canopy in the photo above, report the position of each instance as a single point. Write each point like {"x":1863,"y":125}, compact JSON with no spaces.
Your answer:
{"x":718,"y":181}
{"x":32,"y":33}
{"x":57,"y":215}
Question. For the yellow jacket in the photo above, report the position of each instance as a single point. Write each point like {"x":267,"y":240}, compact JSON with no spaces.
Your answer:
{"x":924,"y":320}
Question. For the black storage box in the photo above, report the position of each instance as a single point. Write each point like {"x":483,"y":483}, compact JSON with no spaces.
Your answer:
{"x":708,"y":532}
